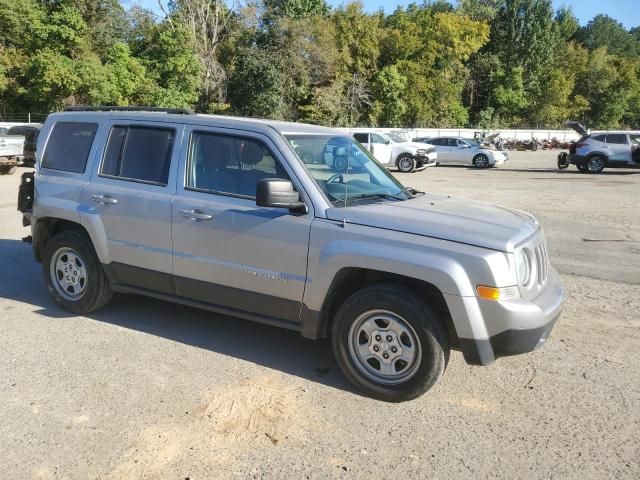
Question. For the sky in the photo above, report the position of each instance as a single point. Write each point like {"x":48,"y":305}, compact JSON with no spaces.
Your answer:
{"x":625,"y":11}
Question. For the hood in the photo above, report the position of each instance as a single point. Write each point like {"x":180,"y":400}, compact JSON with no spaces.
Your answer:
{"x":446,"y":218}
{"x":414,"y":145}
{"x":490,"y":138}
{"x":578,"y":128}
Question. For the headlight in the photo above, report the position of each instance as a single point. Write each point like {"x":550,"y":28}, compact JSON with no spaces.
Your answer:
{"x":523,"y":266}
{"x":422,"y":152}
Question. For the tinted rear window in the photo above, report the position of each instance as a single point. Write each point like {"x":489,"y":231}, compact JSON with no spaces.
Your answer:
{"x":617,"y":138}
{"x":361,"y":137}
{"x":139,"y":153}
{"x":68,"y":146}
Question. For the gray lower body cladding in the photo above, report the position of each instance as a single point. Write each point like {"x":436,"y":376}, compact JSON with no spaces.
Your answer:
{"x":504,"y":344}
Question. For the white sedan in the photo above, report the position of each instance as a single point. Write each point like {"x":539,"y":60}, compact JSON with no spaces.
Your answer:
{"x":465,"y":151}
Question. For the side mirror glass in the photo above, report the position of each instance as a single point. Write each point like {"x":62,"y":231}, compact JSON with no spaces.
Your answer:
{"x":278,"y":193}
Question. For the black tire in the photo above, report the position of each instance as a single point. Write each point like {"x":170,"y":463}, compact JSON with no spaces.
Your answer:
{"x":563,"y":161}
{"x":595,"y":164}
{"x":97,"y":292}
{"x":406,"y":163}
{"x":481,"y":161}
{"x":582,"y":168}
{"x":431,"y":335}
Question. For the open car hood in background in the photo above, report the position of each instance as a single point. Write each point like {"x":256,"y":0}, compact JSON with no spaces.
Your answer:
{"x":578,"y":127}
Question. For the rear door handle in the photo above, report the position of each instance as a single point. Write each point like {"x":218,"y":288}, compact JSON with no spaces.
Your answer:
{"x":104,"y":199}
{"x":195,"y":215}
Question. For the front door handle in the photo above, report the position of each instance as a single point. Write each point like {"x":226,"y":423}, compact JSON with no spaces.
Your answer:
{"x":195,"y":215}
{"x":104,"y":199}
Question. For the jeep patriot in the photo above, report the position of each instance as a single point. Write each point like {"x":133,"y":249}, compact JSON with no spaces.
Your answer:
{"x":246,"y":218}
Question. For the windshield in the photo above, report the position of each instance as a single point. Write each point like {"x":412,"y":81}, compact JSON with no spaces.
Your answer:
{"x":395,"y":137}
{"x":471,"y":142}
{"x":345,"y":171}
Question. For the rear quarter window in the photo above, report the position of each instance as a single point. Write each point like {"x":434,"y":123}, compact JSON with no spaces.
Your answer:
{"x":68,"y":146}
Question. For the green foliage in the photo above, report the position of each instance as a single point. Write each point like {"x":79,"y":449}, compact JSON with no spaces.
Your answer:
{"x":604,"y":31}
{"x":490,"y":63}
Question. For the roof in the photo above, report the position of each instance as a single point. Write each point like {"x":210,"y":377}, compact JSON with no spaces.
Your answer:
{"x":241,"y":123}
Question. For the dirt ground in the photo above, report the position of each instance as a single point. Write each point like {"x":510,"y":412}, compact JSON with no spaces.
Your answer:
{"x":146,"y":389}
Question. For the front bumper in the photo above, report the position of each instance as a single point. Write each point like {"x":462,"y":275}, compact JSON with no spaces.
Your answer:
{"x":428,"y":160}
{"x":516,"y":326}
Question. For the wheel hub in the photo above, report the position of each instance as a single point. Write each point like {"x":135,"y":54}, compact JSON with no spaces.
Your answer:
{"x":68,"y":273}
{"x":385,"y":346}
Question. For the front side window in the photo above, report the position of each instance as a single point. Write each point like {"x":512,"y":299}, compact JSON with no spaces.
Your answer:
{"x":345,"y":171}
{"x":379,"y":139}
{"x":139,"y":154}
{"x":68,"y":146}
{"x":395,"y":138}
{"x":617,"y":138}
{"x":229,"y":165}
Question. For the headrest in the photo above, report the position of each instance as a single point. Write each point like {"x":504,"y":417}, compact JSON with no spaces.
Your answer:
{"x":252,"y":153}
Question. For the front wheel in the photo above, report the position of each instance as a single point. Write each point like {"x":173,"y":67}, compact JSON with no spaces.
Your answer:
{"x":406,"y":163}
{"x":481,"y":161}
{"x":74,"y":274}
{"x":389,"y":343}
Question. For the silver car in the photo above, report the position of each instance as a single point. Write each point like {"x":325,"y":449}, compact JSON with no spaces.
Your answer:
{"x":466,"y":151}
{"x":598,"y":150}
{"x":245,"y":218}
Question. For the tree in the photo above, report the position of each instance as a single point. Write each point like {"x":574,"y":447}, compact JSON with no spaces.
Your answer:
{"x":256,"y":88}
{"x":297,"y":9}
{"x":604,"y":31}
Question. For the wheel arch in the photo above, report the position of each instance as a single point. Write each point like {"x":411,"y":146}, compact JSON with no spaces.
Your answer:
{"x":349,"y":280}
{"x":46,"y":228}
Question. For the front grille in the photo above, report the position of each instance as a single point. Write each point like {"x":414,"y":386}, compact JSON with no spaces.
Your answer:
{"x":542,"y":262}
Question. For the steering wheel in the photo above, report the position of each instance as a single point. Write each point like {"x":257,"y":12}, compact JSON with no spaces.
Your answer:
{"x":336,"y":176}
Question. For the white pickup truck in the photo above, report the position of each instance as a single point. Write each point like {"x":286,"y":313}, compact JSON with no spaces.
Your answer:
{"x":11,"y":150}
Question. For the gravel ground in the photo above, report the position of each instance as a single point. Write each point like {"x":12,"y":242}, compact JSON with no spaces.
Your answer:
{"x":147,"y":389}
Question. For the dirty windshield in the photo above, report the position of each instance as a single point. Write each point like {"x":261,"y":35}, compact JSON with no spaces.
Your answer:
{"x":345,"y":171}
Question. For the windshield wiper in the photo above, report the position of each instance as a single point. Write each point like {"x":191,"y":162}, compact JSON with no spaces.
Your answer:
{"x":412,"y":192}
{"x":375,"y":195}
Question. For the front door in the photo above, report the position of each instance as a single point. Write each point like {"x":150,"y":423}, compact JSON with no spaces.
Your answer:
{"x":228,"y":251}
{"x":130,"y":196}
{"x":381,"y":149}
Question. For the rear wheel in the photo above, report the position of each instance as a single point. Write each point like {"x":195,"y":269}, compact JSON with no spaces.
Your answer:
{"x":595,"y":164}
{"x":406,"y":163}
{"x":389,"y":343}
{"x":74,"y":274}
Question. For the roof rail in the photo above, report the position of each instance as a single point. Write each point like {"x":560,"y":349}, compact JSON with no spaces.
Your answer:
{"x":80,"y":108}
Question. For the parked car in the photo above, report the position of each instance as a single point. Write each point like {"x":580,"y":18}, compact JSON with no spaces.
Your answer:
{"x":393,"y":151}
{"x":11,"y":148}
{"x":596,"y":151}
{"x":465,"y":151}
{"x":30,"y":134}
{"x":223,"y":214}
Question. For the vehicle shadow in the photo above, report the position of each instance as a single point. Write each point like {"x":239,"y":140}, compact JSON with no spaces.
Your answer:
{"x":568,"y":172}
{"x":22,"y":281}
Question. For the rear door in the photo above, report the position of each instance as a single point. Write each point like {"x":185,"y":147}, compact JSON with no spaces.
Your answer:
{"x":445,"y":148}
{"x":130,"y":196}
{"x":619,"y":148}
{"x":228,"y":251}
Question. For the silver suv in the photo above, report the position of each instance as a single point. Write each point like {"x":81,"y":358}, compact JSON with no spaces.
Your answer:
{"x":244,"y":218}
{"x":597,"y":150}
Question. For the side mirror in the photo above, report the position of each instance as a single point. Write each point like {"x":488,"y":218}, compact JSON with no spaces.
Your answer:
{"x":387,"y":141}
{"x":278,"y":193}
